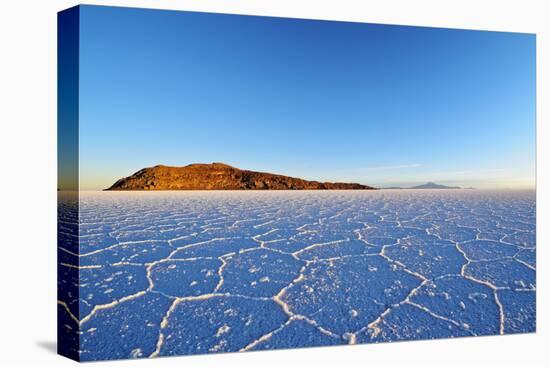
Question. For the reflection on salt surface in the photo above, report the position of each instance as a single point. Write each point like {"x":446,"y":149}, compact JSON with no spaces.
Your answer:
{"x":166,"y":273}
{"x":67,"y":274}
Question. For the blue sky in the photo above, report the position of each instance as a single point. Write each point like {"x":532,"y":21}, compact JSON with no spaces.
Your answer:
{"x":376,"y":104}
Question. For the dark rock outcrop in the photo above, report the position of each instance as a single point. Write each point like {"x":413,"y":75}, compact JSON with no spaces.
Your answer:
{"x":220,"y":176}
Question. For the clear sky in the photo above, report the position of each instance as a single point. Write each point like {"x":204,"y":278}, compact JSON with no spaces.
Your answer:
{"x":375,"y":104}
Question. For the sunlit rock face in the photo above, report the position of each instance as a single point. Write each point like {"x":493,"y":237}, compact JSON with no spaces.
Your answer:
{"x":170,"y":273}
{"x":220,"y":176}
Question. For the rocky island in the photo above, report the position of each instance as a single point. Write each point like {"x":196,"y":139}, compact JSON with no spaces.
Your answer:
{"x":220,"y":176}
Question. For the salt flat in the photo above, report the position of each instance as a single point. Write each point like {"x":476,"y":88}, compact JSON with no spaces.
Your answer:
{"x":168,"y":273}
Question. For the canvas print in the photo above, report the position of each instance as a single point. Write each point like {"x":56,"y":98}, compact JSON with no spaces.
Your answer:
{"x":233,"y":183}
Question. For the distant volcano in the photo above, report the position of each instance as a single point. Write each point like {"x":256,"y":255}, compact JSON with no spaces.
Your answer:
{"x":220,"y":176}
{"x":428,"y":185}
{"x":433,"y":185}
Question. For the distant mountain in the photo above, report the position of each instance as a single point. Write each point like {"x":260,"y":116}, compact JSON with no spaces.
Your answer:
{"x":433,"y":185}
{"x":220,"y":176}
{"x":429,"y":185}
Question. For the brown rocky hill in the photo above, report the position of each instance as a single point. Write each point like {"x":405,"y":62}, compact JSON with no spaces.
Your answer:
{"x":220,"y":176}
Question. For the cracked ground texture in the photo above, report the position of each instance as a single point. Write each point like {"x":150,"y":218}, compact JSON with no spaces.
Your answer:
{"x":171,"y":273}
